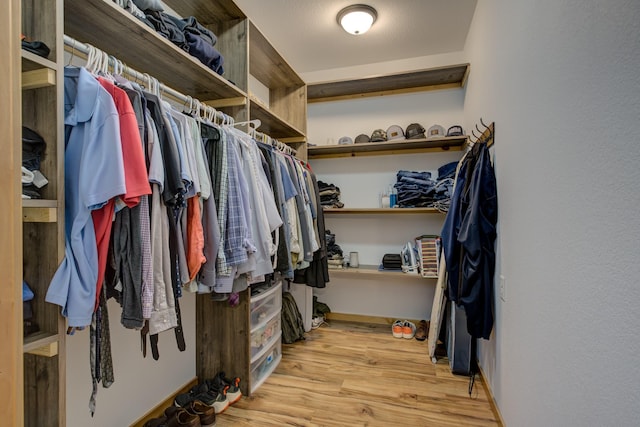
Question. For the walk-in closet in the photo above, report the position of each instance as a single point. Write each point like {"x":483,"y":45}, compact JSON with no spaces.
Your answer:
{"x":288,"y":212}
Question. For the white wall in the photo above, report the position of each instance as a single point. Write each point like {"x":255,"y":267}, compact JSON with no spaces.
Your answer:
{"x":140,"y":383}
{"x":560,"y":79}
{"x":361,"y":179}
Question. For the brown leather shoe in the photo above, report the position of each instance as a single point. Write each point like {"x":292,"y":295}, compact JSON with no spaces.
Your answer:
{"x":206,"y":413}
{"x":181,"y":418}
{"x":422,"y":331}
{"x":156,"y":422}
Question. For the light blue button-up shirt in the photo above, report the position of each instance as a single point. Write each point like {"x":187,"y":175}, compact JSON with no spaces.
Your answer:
{"x":94,"y":173}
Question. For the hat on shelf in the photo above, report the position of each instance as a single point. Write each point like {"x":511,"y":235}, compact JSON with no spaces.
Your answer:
{"x":455,"y":130}
{"x":435,"y":131}
{"x":345,"y":140}
{"x":378,"y":135}
{"x":395,"y":132}
{"x":414,"y":131}
{"x":362,"y":138}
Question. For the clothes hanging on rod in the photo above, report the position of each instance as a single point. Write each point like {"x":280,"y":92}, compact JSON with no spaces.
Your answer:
{"x":198,"y":206}
{"x":468,"y":237}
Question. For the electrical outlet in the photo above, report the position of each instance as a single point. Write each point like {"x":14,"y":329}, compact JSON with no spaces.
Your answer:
{"x":502,"y":288}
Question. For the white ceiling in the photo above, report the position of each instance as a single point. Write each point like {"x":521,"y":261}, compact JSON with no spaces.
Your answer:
{"x":307,"y":35}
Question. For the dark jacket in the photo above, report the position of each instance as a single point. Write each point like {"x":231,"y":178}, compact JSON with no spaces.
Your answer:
{"x":468,"y":239}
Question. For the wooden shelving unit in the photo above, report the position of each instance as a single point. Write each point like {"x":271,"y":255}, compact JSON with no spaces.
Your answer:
{"x":272,"y":124}
{"x":287,"y":91}
{"x":110,"y":28}
{"x":408,"y":146}
{"x":245,"y":50}
{"x":42,"y":231}
{"x":452,"y":76}
{"x":373,"y":270}
{"x":377,"y":211}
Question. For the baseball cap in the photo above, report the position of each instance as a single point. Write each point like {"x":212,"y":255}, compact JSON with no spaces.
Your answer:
{"x":455,"y":130}
{"x":345,"y":140}
{"x":362,"y":138}
{"x":378,"y":135}
{"x":414,"y":131}
{"x":435,"y":131}
{"x":395,"y":132}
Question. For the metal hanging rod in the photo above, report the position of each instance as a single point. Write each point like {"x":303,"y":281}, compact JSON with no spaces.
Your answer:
{"x":77,"y":46}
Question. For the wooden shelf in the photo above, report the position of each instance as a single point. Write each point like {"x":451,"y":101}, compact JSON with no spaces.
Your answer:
{"x":34,"y":79}
{"x":287,"y":91}
{"x":453,"y":76}
{"x":42,"y":344}
{"x":31,"y":61}
{"x":403,"y":146}
{"x":207,"y":12}
{"x":39,"y":212}
{"x":391,"y":211}
{"x":267,"y":65}
{"x":372,"y":270}
{"x":272,"y":124}
{"x":115,"y":31}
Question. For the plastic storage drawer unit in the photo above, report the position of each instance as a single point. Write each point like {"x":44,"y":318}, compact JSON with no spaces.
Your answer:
{"x":265,"y":304}
{"x":265,"y":334}
{"x":265,"y":365}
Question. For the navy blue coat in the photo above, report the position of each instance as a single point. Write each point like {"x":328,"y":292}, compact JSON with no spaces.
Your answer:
{"x":468,"y":240}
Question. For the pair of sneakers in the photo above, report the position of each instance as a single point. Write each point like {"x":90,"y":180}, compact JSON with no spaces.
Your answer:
{"x":318,"y":321}
{"x":403,"y":329}
{"x":218,"y":392}
{"x":196,"y":414}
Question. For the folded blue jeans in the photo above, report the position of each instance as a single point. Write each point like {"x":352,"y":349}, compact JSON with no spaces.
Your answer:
{"x":411,"y":174}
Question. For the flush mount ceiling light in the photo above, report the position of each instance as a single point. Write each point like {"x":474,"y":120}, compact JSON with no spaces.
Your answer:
{"x":357,"y":19}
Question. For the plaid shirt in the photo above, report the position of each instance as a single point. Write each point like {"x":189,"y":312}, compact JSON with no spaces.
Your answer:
{"x":218,"y":164}
{"x":236,"y":218}
{"x":147,"y":261}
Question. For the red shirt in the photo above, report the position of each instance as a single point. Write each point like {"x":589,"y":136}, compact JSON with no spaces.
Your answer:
{"x":135,"y":172}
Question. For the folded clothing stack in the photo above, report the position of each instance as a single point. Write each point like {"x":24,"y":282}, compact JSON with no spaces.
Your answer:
{"x":392,"y":262}
{"x":419,"y":189}
{"x":33,"y":148}
{"x":186,"y":33}
{"x":335,"y":258}
{"x":329,"y":195}
{"x":35,"y":46}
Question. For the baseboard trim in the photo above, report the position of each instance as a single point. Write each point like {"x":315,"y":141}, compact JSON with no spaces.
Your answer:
{"x":158,"y":410}
{"x":364,"y":318}
{"x":491,"y":398}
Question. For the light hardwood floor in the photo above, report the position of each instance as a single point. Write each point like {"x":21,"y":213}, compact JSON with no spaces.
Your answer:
{"x":351,"y":374}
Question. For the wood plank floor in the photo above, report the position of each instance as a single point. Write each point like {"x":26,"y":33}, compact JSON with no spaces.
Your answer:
{"x":350,"y":374}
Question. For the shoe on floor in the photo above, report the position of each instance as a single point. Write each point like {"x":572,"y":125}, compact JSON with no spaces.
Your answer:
{"x":317,"y":321}
{"x":156,"y":422}
{"x":206,"y":393}
{"x":217,"y":393}
{"x":177,"y":417}
{"x":396,"y":328}
{"x":408,"y":330}
{"x":233,"y":391}
{"x":422,"y":330}
{"x":206,"y":413}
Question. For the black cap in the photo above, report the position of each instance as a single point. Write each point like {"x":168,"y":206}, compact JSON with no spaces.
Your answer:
{"x":414,"y":131}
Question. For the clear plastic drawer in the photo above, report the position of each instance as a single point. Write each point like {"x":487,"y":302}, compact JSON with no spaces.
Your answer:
{"x":265,"y":334}
{"x":264,"y":305}
{"x":265,"y":365}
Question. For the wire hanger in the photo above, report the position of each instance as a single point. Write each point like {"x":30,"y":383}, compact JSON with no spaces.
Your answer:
{"x":73,"y":51}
